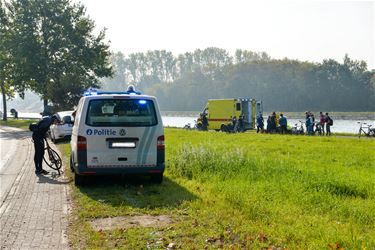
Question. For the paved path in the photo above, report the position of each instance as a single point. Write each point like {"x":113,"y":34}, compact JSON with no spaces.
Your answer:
{"x":33,"y":212}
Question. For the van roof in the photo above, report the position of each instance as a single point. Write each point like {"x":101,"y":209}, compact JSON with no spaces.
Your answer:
{"x":103,"y":95}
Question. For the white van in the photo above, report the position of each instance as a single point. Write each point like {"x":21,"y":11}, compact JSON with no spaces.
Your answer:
{"x":117,"y":133}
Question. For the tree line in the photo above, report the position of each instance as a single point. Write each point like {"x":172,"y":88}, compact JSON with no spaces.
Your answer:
{"x":186,"y":81}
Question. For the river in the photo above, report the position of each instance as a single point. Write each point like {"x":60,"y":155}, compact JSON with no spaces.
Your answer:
{"x":341,"y":124}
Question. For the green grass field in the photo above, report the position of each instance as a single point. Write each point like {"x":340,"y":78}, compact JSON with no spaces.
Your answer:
{"x":240,"y":191}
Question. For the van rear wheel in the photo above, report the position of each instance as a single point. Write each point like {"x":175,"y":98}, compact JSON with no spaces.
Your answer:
{"x":157,"y":178}
{"x":79,"y":180}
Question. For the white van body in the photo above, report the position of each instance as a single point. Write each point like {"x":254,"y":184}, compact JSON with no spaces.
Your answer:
{"x":117,"y":133}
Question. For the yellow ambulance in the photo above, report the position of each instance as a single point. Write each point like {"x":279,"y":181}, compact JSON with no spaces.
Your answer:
{"x":220,"y":113}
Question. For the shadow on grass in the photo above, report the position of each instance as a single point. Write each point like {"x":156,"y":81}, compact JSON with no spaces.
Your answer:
{"x":133,"y":190}
{"x":136,"y":191}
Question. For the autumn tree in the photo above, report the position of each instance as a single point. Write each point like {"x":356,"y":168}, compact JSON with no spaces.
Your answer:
{"x":5,"y":81}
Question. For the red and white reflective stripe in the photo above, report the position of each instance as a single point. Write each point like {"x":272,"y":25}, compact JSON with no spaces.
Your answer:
{"x":121,"y":166}
{"x":220,"y":120}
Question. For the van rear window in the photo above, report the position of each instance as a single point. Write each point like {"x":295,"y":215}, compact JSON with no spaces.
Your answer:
{"x":121,"y":113}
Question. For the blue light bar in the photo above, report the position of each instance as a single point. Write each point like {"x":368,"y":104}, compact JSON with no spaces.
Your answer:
{"x":90,"y":92}
{"x":94,"y":92}
{"x":142,"y":101}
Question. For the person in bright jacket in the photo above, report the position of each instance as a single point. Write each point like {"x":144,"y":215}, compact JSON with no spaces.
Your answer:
{"x":283,"y":124}
{"x":39,"y":134}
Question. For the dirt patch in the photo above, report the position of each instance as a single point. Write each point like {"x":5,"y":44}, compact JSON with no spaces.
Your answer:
{"x":130,"y":221}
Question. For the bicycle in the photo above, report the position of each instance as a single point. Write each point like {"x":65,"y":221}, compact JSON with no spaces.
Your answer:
{"x":298,"y":129}
{"x":52,"y":158}
{"x":318,"y":128}
{"x":366,"y":130}
{"x":187,"y":126}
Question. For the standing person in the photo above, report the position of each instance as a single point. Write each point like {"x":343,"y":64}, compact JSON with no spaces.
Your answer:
{"x":39,"y":133}
{"x":312,"y":117}
{"x":240,"y":124}
{"x":204,"y":122}
{"x":273,"y":122}
{"x":322,"y":121}
{"x":260,"y":123}
{"x":234,"y":123}
{"x":283,"y":124}
{"x":277,"y":120}
{"x":329,"y":123}
{"x":307,"y":123}
{"x":269,"y":124}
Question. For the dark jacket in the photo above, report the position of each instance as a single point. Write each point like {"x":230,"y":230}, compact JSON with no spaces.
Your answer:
{"x":283,"y":121}
{"x":43,"y":127}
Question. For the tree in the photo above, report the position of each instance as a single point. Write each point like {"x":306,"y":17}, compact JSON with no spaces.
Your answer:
{"x":5,"y":84}
{"x":55,"y":51}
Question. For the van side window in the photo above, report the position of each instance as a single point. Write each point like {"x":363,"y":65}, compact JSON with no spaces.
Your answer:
{"x":121,"y":112}
{"x":238,"y":106}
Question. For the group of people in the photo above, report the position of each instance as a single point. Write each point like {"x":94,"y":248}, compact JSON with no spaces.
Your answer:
{"x":237,"y":124}
{"x":323,"y":127}
{"x":279,"y":124}
{"x":275,"y":123}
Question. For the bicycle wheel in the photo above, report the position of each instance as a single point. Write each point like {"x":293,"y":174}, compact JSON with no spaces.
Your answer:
{"x":53,"y":161}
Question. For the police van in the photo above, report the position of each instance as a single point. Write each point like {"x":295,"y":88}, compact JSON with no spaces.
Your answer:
{"x":117,"y":133}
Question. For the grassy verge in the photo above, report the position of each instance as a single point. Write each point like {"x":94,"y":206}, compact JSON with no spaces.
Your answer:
{"x":241,"y":191}
{"x":17,"y":123}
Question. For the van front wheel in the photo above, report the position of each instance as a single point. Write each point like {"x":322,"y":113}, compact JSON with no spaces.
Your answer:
{"x":157,"y":178}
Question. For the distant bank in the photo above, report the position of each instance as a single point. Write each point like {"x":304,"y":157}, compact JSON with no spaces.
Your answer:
{"x":291,"y":115}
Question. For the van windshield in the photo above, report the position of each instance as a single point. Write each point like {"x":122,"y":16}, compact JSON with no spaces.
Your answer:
{"x":121,"y":113}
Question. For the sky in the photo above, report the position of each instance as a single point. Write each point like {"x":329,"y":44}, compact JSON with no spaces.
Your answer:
{"x":306,"y":30}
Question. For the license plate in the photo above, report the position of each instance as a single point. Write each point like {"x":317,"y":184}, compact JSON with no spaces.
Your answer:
{"x":122,"y":144}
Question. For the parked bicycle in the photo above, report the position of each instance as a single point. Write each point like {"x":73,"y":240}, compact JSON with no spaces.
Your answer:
{"x":52,"y":158}
{"x":318,"y":128}
{"x":298,"y":128}
{"x":366,"y":130}
{"x":187,"y":126}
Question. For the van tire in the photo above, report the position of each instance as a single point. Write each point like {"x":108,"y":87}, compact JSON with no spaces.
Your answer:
{"x":71,"y":164}
{"x":157,"y":178}
{"x":79,"y":180}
